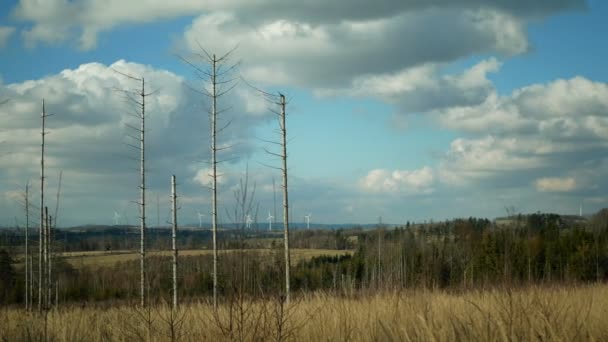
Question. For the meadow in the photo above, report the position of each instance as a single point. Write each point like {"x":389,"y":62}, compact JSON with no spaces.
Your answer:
{"x":107,"y":258}
{"x":532,"y":313}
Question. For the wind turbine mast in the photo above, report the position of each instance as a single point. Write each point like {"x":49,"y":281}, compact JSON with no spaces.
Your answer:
{"x":248,"y":221}
{"x":200,"y":219}
{"x":270,"y":217}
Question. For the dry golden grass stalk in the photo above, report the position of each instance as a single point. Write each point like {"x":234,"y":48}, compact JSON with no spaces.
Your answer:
{"x":530,"y":314}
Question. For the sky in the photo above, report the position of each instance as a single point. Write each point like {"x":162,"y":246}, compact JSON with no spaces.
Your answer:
{"x":404,"y":110}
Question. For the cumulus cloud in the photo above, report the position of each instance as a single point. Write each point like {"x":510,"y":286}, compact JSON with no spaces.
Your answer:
{"x":555,"y":184}
{"x":5,"y":34}
{"x":57,"y":20}
{"x":88,"y":134}
{"x":520,"y":137}
{"x":424,"y":88}
{"x":399,"y":181}
{"x":332,"y":55}
{"x":569,"y":108}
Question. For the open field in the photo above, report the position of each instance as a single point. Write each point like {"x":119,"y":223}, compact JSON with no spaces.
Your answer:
{"x":103,"y":258}
{"x":530,"y":314}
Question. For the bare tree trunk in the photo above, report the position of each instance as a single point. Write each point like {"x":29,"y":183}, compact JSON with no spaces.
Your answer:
{"x":45,"y":257}
{"x":285,"y":198}
{"x":214,"y":175}
{"x":141,"y":115}
{"x":142,"y":200}
{"x":173,"y":238}
{"x":41,"y":236}
{"x":274,"y":195}
{"x":49,"y":256}
{"x":27,"y":253}
{"x":220,"y":85}
{"x":597,"y":254}
{"x":56,"y":292}
{"x":31,"y":281}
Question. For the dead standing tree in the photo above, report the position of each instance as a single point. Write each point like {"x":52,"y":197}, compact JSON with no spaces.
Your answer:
{"x":279,"y":101}
{"x":28,"y":297}
{"x":173,"y":238}
{"x":29,"y":263}
{"x":137,"y":99}
{"x":42,"y":231}
{"x":217,"y":74}
{"x":28,"y":284}
{"x":283,"y":128}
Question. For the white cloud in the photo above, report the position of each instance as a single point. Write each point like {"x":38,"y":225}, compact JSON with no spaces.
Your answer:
{"x":399,"y":181}
{"x":88,"y":135}
{"x":469,"y":160}
{"x":5,"y":34}
{"x":559,"y":109}
{"x":56,"y":21}
{"x":204,"y":177}
{"x":331,"y":55}
{"x":520,"y":137}
{"x":423,"y":88}
{"x":555,"y":184}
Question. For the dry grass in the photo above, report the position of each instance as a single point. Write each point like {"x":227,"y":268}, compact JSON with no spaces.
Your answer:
{"x":531,"y":314}
{"x":103,"y":258}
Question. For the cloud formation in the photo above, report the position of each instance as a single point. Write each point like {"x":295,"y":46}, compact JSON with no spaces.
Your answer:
{"x":88,"y":134}
{"x":336,"y":54}
{"x":555,"y":184}
{"x":527,"y":135}
{"x":5,"y":33}
{"x":410,"y":182}
{"x":57,"y":21}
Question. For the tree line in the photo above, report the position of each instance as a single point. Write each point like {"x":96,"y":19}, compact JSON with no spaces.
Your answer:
{"x":456,"y":254}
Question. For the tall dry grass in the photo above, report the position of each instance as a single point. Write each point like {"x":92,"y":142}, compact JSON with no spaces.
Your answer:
{"x":529,"y":314}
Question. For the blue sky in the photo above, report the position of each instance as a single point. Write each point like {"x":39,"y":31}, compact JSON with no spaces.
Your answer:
{"x":405,"y":110}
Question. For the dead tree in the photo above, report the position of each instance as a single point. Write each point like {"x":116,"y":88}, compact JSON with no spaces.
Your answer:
{"x":42,"y":230}
{"x":28,"y":297}
{"x":244,"y":197}
{"x":45,"y":257}
{"x":217,"y":73}
{"x":279,"y":100}
{"x":57,"y":199}
{"x":173,"y":238}
{"x":137,"y":98}
{"x":51,"y":224}
{"x":285,"y":197}
{"x":49,"y":261}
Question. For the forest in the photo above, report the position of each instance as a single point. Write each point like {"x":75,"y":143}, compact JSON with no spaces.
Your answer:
{"x":453,"y":255}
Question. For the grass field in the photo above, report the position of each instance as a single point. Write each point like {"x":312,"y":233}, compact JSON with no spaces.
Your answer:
{"x":530,"y":314}
{"x":103,"y":258}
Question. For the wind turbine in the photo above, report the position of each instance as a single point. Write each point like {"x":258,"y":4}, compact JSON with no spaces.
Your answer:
{"x":200,"y":219}
{"x":270,"y":217}
{"x":248,"y":221}
{"x":116,"y":218}
{"x":307,"y":217}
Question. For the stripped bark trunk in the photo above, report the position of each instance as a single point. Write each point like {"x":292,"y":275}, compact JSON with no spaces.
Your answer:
{"x":49,"y":264}
{"x":142,"y":203}
{"x":41,"y":236}
{"x":45,"y":257}
{"x":173,"y":238}
{"x":27,"y":252}
{"x":214,"y":175}
{"x":285,"y":199}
